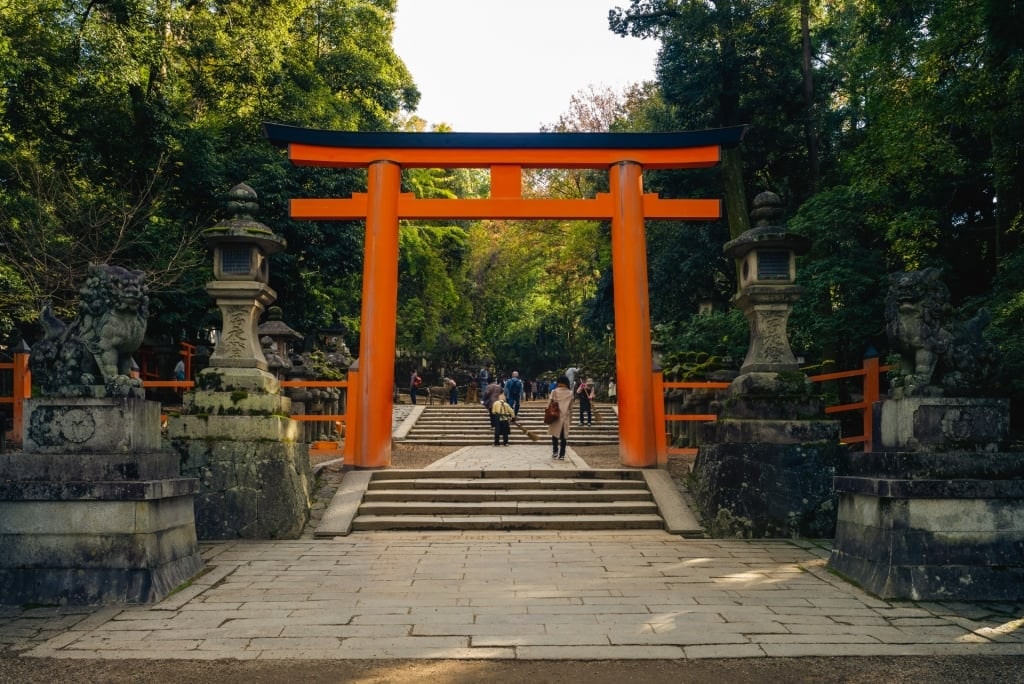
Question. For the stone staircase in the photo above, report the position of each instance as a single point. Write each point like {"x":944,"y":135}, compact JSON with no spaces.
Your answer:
{"x":535,"y":499}
{"x":467,"y":425}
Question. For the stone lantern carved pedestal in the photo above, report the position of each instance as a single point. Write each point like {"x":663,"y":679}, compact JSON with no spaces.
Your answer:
{"x":765,"y":468}
{"x":94,"y":511}
{"x":235,"y":435}
{"x":934,"y":509}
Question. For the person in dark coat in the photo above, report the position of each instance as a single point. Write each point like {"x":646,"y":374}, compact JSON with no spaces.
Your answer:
{"x":585,"y":395}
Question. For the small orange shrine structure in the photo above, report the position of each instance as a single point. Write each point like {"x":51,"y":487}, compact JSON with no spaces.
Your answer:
{"x":623,"y":155}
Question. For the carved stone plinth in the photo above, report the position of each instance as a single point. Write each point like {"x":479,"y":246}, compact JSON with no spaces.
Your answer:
{"x":938,"y":514}
{"x":767,"y":309}
{"x":254,"y":475}
{"x":93,"y":511}
{"x":96,"y":426}
{"x":765,"y":468}
{"x":936,"y":424}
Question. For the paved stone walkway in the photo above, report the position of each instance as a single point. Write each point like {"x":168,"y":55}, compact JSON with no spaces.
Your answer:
{"x":515,"y":595}
{"x":517,"y":455}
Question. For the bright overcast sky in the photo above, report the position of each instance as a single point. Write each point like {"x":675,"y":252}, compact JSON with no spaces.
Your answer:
{"x":512,"y":65}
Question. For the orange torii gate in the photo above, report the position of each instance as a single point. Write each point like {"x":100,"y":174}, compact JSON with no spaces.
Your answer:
{"x":384,"y":155}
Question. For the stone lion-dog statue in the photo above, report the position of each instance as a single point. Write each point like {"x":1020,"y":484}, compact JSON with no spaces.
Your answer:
{"x":936,"y":357}
{"x":96,"y":348}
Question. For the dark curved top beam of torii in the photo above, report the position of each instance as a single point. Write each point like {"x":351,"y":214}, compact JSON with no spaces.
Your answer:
{"x":505,"y":154}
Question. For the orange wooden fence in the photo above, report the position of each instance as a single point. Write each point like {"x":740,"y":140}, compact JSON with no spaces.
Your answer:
{"x":871,"y":372}
{"x":21,"y":389}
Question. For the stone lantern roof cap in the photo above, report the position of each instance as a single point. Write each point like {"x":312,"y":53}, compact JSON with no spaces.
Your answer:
{"x":242,"y":227}
{"x":275,"y":327}
{"x":767,"y":232}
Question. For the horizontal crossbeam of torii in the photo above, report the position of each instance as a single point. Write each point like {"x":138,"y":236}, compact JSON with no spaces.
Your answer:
{"x":623,"y":155}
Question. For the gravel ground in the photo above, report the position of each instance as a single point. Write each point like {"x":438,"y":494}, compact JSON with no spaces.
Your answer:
{"x":934,"y":670}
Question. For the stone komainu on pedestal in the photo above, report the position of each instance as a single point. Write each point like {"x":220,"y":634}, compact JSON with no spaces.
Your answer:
{"x":94,"y":511}
{"x":935,"y":509}
{"x":95,"y":350}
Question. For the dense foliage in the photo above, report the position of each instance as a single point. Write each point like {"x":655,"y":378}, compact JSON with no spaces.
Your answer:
{"x":892,"y":130}
{"x":123,"y":122}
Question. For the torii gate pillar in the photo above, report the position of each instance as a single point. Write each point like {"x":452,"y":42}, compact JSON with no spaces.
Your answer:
{"x":379,"y":311}
{"x":634,"y":365}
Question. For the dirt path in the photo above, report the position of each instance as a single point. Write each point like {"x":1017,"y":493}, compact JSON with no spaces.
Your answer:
{"x":737,"y":671}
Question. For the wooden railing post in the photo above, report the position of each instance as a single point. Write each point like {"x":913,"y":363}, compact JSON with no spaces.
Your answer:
{"x":351,"y":410}
{"x":658,"y":404}
{"x":871,"y":395}
{"x":22,"y":391}
{"x":187,"y":351}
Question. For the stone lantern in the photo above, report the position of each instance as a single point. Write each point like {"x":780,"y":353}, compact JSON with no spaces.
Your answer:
{"x":767,"y":255}
{"x":240,"y":247}
{"x":235,"y":434}
{"x":765,"y":467}
{"x":279,"y":332}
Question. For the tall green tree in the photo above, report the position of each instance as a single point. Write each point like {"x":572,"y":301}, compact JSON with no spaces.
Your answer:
{"x":123,"y":124}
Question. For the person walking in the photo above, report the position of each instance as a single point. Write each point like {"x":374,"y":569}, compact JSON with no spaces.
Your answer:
{"x":611,"y":390}
{"x":491,"y":394}
{"x":453,"y":391}
{"x":503,"y":416}
{"x":559,"y":430}
{"x":514,"y":391}
{"x":585,"y":393}
{"x":572,"y":373}
{"x":414,"y":383}
{"x":482,"y":377}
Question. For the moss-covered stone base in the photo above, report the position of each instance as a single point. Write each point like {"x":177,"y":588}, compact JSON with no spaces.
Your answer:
{"x":767,"y":490}
{"x":250,"y":486}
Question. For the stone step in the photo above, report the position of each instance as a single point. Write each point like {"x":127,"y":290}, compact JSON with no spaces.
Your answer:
{"x":465,"y":441}
{"x":484,"y":429}
{"x":524,"y":499}
{"x":481,"y":417}
{"x":475,"y":495}
{"x":508,"y":484}
{"x":506,"y":473}
{"x":509,"y":499}
{"x":508,"y":522}
{"x":510,"y":507}
{"x":467,"y":425}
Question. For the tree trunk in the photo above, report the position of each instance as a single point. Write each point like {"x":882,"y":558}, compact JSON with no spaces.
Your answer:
{"x":811,"y":125}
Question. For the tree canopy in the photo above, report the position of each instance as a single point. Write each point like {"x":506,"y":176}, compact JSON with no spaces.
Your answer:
{"x":891,"y":129}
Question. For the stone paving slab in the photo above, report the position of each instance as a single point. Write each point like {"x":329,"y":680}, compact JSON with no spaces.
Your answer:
{"x":515,"y":595}
{"x":527,"y":595}
{"x":678,"y":517}
{"x":337,"y":519}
